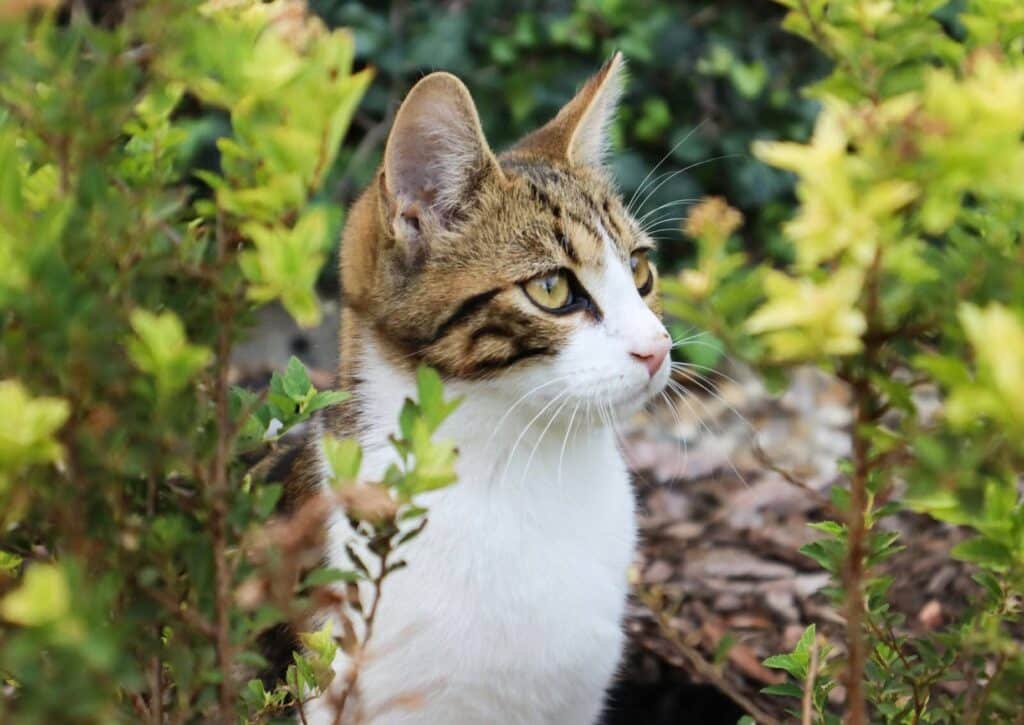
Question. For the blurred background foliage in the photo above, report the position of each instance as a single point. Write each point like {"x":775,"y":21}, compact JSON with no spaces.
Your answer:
{"x":705,"y":80}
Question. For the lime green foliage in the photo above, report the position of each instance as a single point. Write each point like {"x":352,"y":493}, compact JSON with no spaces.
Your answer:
{"x":27,"y":428}
{"x":996,"y":391}
{"x":287,"y":83}
{"x":133,"y":550}
{"x":160,"y":349}
{"x":429,"y":463}
{"x":42,"y":598}
{"x":904,"y":279}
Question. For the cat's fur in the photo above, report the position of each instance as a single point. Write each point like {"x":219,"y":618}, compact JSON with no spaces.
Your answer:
{"x":510,"y":608}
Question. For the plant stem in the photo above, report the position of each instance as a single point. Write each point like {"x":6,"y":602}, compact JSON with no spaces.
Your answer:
{"x":856,"y":553}
{"x":854,"y":571}
{"x":218,"y":490}
{"x":353,"y":675}
{"x":807,"y":710}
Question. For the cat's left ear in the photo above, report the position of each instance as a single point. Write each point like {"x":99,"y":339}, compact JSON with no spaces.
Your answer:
{"x":579,"y":133}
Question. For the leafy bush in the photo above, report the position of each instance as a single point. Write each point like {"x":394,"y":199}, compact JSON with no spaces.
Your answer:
{"x":905,"y":281}
{"x":137,"y":567}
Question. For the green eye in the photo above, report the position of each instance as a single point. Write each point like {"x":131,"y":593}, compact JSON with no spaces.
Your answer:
{"x":643,"y":277}
{"x":550,"y":292}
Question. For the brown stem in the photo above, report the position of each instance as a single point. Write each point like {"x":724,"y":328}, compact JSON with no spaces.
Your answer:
{"x":856,"y":713}
{"x":190,"y":617}
{"x":807,"y":711}
{"x":987,"y":689}
{"x":889,"y":638}
{"x":217,"y":489}
{"x":854,"y":571}
{"x":353,"y":673}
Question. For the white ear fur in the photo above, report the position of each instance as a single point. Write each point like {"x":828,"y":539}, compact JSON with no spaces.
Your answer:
{"x":435,"y":151}
{"x":590,"y":140}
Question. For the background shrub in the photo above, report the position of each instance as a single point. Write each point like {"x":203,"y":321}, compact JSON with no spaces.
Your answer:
{"x":167,"y":167}
{"x":905,"y":278}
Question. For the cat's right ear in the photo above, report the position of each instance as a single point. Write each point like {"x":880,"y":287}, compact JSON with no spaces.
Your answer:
{"x":434,"y":160}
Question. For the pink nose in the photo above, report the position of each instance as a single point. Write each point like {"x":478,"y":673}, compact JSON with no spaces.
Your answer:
{"x":652,"y":354}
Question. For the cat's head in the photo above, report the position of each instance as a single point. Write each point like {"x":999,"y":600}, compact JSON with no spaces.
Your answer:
{"x":520,"y":270}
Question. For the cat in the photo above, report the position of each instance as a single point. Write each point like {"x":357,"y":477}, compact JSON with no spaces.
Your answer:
{"x":522,"y":279}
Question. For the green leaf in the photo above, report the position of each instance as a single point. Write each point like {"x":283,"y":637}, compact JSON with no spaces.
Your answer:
{"x":161,"y":349}
{"x":786,"y":689}
{"x":344,"y":457}
{"x":266,"y":498}
{"x":9,"y":563}
{"x":295,"y":382}
{"x":43,"y":597}
{"x":327,"y":575}
{"x":984,"y":552}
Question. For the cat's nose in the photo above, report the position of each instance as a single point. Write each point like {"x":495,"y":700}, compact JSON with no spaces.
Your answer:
{"x":652,"y":353}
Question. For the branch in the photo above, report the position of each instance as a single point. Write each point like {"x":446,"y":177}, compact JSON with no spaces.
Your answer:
{"x":705,"y":669}
{"x":808,"y":701}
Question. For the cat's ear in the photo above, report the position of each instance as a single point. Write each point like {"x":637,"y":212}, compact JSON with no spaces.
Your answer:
{"x":434,"y":160}
{"x":579,"y":133}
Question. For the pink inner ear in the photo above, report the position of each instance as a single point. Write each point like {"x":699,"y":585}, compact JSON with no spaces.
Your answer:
{"x":435,"y":146}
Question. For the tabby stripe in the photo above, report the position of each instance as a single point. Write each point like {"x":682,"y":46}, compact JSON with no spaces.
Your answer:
{"x":464,"y":312}
{"x":566,"y":245}
{"x":610,"y":221}
{"x":493,"y":330}
{"x":525,"y":353}
{"x":586,"y":224}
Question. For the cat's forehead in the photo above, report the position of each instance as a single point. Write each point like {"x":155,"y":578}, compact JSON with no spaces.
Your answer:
{"x":576,"y":210}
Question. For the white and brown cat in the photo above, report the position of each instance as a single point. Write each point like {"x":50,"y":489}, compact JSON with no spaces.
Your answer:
{"x":523,"y":280}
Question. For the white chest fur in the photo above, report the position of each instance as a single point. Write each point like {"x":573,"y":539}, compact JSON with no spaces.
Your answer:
{"x":510,"y":608}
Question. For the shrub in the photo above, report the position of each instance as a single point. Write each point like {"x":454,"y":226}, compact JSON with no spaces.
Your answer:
{"x":905,"y":278}
{"x":136,"y":565}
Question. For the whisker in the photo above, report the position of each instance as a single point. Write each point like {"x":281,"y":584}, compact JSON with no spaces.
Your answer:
{"x":686,"y":168}
{"x":685,"y":396}
{"x":664,"y":158}
{"x":686,"y":366}
{"x":565,"y":441}
{"x":664,"y":225}
{"x":705,"y":343}
{"x":667,"y":204}
{"x":540,"y":439}
{"x":522,"y":398}
{"x":526,"y":428}
{"x":679,"y":425}
{"x":708,"y":388}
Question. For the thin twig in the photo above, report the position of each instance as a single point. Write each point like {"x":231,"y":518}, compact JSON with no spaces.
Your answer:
{"x":987,"y":689}
{"x":217,"y":490}
{"x":812,"y":672}
{"x":353,"y":673}
{"x":191,"y":617}
{"x":702,"y":667}
{"x":854,"y":570}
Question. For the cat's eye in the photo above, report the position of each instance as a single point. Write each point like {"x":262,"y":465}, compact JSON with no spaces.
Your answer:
{"x":551,"y":292}
{"x":643,"y":277}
